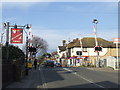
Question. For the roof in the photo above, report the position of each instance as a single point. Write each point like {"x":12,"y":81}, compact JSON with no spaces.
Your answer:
{"x":62,"y":48}
{"x":90,"y":42}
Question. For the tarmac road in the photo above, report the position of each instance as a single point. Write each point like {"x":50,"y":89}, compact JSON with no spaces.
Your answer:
{"x":64,"y":77}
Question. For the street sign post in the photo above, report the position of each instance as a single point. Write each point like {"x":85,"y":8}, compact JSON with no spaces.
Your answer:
{"x":17,"y":35}
{"x":117,"y":41}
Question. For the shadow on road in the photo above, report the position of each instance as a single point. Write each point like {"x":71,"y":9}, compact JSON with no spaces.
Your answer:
{"x":51,"y":75}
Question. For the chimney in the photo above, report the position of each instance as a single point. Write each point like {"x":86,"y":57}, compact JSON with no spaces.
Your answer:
{"x":64,"y":42}
{"x":77,"y":39}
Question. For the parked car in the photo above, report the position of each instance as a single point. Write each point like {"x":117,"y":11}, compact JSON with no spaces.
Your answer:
{"x":49,"y":63}
{"x":58,"y":65}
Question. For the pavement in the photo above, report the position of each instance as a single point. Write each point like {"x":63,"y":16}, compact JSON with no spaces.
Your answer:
{"x":28,"y":81}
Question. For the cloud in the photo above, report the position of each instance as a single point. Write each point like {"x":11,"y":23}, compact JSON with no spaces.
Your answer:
{"x":53,"y":37}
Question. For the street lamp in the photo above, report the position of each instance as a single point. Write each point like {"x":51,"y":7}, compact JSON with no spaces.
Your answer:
{"x":95,"y":22}
{"x":27,"y":27}
{"x":26,"y":57}
{"x":7,"y":26}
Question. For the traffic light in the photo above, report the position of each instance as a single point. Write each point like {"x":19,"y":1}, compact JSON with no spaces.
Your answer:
{"x":98,"y":48}
{"x":79,"y":52}
{"x":32,"y":49}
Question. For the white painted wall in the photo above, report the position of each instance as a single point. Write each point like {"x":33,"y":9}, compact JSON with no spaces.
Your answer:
{"x":90,"y":52}
{"x":74,"y":50}
{"x":61,"y":53}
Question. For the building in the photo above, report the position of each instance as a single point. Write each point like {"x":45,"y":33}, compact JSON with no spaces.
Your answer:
{"x":89,"y":56}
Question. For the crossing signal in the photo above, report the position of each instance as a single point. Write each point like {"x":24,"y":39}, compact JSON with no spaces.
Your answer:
{"x":98,"y":48}
{"x":32,"y":49}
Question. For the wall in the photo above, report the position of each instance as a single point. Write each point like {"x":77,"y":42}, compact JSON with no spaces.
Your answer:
{"x":74,"y":50}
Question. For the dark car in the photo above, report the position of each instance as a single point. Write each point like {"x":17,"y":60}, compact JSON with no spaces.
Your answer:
{"x":49,"y":63}
{"x":58,"y":65}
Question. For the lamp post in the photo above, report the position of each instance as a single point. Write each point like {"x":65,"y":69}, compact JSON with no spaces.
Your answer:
{"x":26,"y":49}
{"x":95,"y":22}
{"x":7,"y":26}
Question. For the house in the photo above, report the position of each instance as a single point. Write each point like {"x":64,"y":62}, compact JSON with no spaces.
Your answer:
{"x":62,"y":53}
{"x":89,"y":56}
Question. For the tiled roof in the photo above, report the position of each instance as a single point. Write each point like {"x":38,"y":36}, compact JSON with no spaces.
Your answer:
{"x":90,"y":42}
{"x":62,"y":48}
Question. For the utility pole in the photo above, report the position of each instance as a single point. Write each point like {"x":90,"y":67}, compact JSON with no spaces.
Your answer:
{"x":117,"y":54}
{"x":117,"y":42}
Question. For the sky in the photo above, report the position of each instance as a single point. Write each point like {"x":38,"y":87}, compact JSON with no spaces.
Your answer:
{"x":57,"y":21}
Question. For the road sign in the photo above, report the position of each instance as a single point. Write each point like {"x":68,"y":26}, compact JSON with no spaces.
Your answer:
{"x":17,"y":35}
{"x":116,"y":40}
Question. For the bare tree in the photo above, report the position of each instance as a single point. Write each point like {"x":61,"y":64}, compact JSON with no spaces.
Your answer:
{"x":40,"y":44}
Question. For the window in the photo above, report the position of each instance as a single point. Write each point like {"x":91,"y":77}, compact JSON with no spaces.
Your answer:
{"x":84,"y":49}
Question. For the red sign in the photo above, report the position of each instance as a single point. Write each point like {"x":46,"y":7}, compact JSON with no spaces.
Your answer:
{"x":116,"y":40}
{"x":17,"y":35}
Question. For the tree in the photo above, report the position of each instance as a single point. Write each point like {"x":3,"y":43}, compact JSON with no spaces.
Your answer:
{"x":47,"y":55}
{"x":40,"y":44}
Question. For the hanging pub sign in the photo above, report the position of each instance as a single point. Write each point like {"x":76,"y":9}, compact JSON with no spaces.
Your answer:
{"x":16,"y":35}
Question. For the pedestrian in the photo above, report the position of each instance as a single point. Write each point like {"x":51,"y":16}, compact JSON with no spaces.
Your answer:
{"x":35,"y":63}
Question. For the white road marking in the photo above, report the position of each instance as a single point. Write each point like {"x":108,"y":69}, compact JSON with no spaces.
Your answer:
{"x":83,"y":77}
{"x":43,"y":79}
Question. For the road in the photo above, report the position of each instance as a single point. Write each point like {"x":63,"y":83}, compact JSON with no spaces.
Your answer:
{"x":64,"y":77}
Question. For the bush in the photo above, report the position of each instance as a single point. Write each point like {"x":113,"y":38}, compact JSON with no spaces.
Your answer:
{"x":15,"y":53}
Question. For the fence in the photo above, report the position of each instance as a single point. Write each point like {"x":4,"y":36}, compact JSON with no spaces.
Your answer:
{"x":112,"y":62}
{"x":11,"y":73}
{"x":8,"y":74}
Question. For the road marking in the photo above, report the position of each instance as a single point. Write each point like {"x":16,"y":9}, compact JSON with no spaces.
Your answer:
{"x":90,"y":68}
{"x":43,"y":79}
{"x":82,"y":77}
